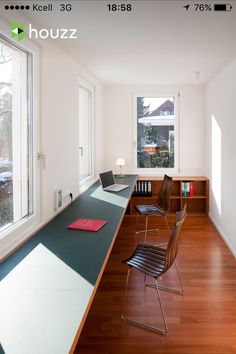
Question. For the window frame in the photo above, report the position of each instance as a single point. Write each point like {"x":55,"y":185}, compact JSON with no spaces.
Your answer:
{"x":86,"y":182}
{"x":15,"y":233}
{"x":159,"y":170}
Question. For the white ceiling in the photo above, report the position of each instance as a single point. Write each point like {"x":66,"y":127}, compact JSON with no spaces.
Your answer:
{"x":157,"y":43}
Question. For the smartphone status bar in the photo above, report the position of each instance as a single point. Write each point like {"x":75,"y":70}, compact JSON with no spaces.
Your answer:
{"x":208,"y":7}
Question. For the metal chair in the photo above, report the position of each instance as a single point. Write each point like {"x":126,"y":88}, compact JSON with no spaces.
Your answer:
{"x":161,"y":207}
{"x":155,"y":261}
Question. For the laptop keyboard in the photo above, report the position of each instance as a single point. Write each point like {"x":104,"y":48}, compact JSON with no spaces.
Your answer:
{"x":114,"y":188}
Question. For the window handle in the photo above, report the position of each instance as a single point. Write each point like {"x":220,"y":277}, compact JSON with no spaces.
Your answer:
{"x":42,"y":159}
{"x":40,"y":156}
{"x":81,"y":151}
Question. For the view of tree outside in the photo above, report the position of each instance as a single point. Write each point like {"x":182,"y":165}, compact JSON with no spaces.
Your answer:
{"x":155,"y":132}
{"x":6,"y":194}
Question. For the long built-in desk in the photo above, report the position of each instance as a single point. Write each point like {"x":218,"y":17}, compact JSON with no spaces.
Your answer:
{"x":48,"y":284}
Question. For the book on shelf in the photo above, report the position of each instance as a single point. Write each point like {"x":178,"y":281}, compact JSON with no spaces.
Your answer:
{"x":184,"y":189}
{"x":191,"y":193}
{"x":143,"y":188}
{"x":188,"y":189}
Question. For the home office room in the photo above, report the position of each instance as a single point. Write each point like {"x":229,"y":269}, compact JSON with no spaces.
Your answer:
{"x":117,"y":227}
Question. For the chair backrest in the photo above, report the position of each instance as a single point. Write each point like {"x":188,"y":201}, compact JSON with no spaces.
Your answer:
{"x":173,"y":244}
{"x":163,"y":199}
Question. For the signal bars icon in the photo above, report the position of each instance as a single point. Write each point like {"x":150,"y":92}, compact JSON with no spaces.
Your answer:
{"x":17,"y":7}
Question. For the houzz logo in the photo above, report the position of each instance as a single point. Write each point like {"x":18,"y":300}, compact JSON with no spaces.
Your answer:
{"x":17,"y":31}
{"x":62,"y":33}
{"x":43,"y":33}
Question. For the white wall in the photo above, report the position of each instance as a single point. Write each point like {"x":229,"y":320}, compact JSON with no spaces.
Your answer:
{"x":118,"y":131}
{"x":220,"y":103}
{"x":56,"y":98}
{"x":59,"y":124}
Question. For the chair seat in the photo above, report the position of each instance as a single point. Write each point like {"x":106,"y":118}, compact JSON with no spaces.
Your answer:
{"x":150,"y":210}
{"x":148,"y":259}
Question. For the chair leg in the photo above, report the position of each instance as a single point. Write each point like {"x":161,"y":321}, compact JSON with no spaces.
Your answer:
{"x":146,"y":227}
{"x":167,"y":224}
{"x":180,"y":282}
{"x":137,"y":214}
{"x":162,"y":311}
{"x":145,"y":231}
{"x":142,"y":324}
{"x":126,"y":287}
{"x":136,"y":222}
{"x":167,"y":288}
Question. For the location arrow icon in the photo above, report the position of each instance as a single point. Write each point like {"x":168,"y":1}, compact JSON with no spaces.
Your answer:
{"x":186,"y":7}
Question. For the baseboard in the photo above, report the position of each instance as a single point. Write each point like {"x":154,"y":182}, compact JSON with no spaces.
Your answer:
{"x":223,"y":236}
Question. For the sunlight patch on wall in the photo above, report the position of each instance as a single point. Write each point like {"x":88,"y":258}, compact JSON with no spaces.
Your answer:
{"x":216,"y":162}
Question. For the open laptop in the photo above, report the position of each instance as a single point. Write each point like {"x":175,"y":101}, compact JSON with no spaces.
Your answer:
{"x":108,"y":182}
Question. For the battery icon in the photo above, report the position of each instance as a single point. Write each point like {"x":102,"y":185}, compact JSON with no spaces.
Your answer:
{"x":222,"y":7}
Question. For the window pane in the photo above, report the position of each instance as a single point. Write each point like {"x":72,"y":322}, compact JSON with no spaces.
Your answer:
{"x":85,"y":133}
{"x":14,"y":135}
{"x":155,"y":132}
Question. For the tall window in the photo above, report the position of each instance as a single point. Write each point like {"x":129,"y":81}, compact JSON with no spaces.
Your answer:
{"x":86,"y":94}
{"x":15,"y":135}
{"x":156,"y":132}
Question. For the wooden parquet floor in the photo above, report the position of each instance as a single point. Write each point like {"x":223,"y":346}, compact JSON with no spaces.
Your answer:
{"x":202,"y":321}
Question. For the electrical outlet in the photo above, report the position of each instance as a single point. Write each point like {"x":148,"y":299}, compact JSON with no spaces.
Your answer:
{"x":66,"y":198}
{"x":58,"y":199}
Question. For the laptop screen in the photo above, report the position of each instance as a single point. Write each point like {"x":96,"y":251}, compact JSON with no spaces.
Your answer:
{"x":107,"y":179}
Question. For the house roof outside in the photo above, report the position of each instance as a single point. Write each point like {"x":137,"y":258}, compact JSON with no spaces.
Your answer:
{"x":158,"y":118}
{"x":166,"y":106}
